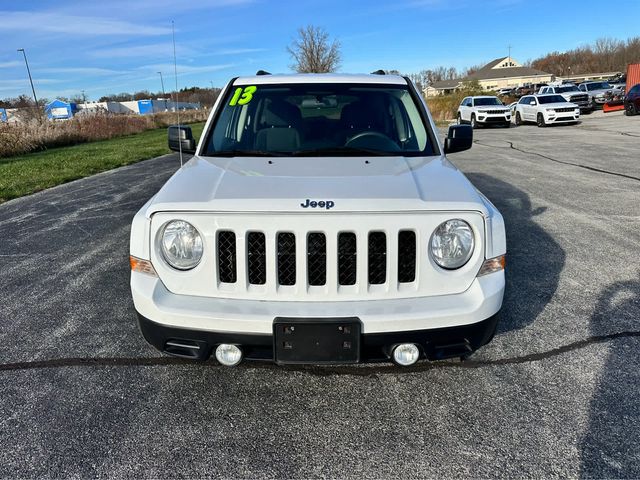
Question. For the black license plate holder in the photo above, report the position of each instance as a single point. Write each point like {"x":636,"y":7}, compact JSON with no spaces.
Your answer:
{"x":316,"y":340}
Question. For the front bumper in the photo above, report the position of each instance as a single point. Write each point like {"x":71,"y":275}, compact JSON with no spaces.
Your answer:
{"x":443,"y":326}
{"x":492,"y":119}
{"x":561,"y":117}
{"x":434,"y":344}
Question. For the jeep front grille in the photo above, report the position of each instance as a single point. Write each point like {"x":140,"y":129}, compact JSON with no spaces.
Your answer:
{"x":564,"y":109}
{"x":317,"y":257}
{"x":315,"y":248}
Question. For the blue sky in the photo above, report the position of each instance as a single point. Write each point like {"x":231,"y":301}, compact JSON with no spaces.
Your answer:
{"x":119,"y":45}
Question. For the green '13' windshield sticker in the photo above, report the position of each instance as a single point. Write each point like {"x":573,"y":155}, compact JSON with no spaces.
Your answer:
{"x":242,"y":96}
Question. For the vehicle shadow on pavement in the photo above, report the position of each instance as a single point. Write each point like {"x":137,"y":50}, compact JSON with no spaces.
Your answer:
{"x":534,"y":259}
{"x":611,"y":446}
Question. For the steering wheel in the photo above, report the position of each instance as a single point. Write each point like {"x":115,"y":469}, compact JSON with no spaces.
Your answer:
{"x":374,"y":141}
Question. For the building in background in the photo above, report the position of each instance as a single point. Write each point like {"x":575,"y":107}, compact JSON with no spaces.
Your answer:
{"x":141,"y":107}
{"x":60,"y":110}
{"x":504,"y":72}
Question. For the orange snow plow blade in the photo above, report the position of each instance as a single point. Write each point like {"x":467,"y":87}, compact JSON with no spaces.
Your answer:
{"x":614,"y":106}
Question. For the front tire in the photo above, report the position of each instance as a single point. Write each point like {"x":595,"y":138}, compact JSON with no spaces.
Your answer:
{"x":540,"y":121}
{"x":518,"y":119}
{"x":474,"y":124}
{"x":630,"y":109}
{"x":459,"y":119}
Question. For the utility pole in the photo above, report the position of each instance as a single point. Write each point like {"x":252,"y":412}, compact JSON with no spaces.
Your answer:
{"x":30,"y":79}
{"x":509,"y":53}
{"x":84,"y":98}
{"x":164,"y":96}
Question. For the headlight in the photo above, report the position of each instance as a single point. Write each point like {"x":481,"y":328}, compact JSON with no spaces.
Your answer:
{"x":452,"y":243}
{"x":550,"y":110}
{"x":181,"y":245}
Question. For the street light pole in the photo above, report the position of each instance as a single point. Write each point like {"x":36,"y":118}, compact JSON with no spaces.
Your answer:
{"x":29,"y":73}
{"x":164,"y":95}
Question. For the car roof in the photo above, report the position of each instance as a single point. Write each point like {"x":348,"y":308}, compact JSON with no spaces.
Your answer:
{"x":483,"y":96}
{"x":321,"y":78}
{"x":545,"y":95}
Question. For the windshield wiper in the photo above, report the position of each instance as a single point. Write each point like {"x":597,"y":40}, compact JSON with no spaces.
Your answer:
{"x":352,"y":151}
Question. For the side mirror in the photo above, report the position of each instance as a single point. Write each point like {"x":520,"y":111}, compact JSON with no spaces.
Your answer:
{"x":459,"y":138}
{"x":181,"y":135}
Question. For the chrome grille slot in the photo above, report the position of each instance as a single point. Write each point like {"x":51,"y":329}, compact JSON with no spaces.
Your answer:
{"x":316,"y":259}
{"x":377,"y":260}
{"x":256,"y":258}
{"x":286,"y":258}
{"x":227,"y":272}
{"x":406,"y":256}
{"x":347,"y":258}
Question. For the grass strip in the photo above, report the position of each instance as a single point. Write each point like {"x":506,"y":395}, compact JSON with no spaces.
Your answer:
{"x":30,"y":173}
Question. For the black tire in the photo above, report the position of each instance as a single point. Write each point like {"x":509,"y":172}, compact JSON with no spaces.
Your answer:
{"x":459,"y":119}
{"x":518,"y":119}
{"x":630,"y":109}
{"x":473,"y":122}
{"x":540,"y":121}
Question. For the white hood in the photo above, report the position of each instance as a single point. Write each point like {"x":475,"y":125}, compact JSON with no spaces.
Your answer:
{"x":353,"y":184}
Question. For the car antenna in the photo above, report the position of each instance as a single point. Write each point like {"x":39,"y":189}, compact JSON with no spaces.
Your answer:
{"x":175,"y":103}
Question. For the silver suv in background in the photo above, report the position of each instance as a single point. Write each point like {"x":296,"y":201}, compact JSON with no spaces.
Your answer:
{"x":570,"y":93}
{"x":599,"y":92}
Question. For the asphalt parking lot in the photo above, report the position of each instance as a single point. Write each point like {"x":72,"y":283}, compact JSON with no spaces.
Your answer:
{"x":555,"y":395}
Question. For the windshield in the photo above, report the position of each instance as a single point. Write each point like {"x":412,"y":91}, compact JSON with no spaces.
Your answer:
{"x":319,"y":119}
{"x":568,"y":88}
{"x":551,"y":99}
{"x":482,"y":102}
{"x":598,"y":86}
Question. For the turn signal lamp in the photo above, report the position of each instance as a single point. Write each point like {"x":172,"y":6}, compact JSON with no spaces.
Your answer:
{"x":142,"y":266}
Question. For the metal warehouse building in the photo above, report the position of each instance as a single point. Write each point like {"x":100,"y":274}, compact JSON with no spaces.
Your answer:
{"x":59,"y":110}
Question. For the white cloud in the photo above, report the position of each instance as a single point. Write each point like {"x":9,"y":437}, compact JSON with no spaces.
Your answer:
{"x":88,"y":71}
{"x":151,"y":50}
{"x":185,"y":69}
{"x":238,"y":51}
{"x":75,"y":24}
{"x":11,"y":64}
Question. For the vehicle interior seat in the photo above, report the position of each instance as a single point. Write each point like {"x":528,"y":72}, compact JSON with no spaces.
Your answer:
{"x":361,"y":116}
{"x":279,"y":127}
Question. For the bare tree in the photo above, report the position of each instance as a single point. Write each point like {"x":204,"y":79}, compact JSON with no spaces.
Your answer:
{"x":313,"y":52}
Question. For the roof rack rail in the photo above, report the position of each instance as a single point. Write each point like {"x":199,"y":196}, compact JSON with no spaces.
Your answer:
{"x":379,"y":72}
{"x":262,"y":72}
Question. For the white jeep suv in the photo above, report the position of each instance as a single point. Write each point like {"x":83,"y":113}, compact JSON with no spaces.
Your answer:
{"x":318,"y":221}
{"x":545,"y":110}
{"x":484,"y":110}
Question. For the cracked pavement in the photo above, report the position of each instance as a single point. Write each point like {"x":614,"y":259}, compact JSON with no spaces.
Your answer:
{"x":554,"y":395}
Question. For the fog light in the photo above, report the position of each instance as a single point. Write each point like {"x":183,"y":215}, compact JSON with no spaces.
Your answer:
{"x":406,"y":354}
{"x":228,"y":355}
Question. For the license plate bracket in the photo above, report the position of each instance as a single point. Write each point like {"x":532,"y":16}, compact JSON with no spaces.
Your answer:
{"x":316,"y":340}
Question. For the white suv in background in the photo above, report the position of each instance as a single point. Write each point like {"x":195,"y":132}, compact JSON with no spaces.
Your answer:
{"x":485,"y":110}
{"x":546,"y":109}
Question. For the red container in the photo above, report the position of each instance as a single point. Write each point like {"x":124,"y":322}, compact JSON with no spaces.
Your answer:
{"x":633,"y":75}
